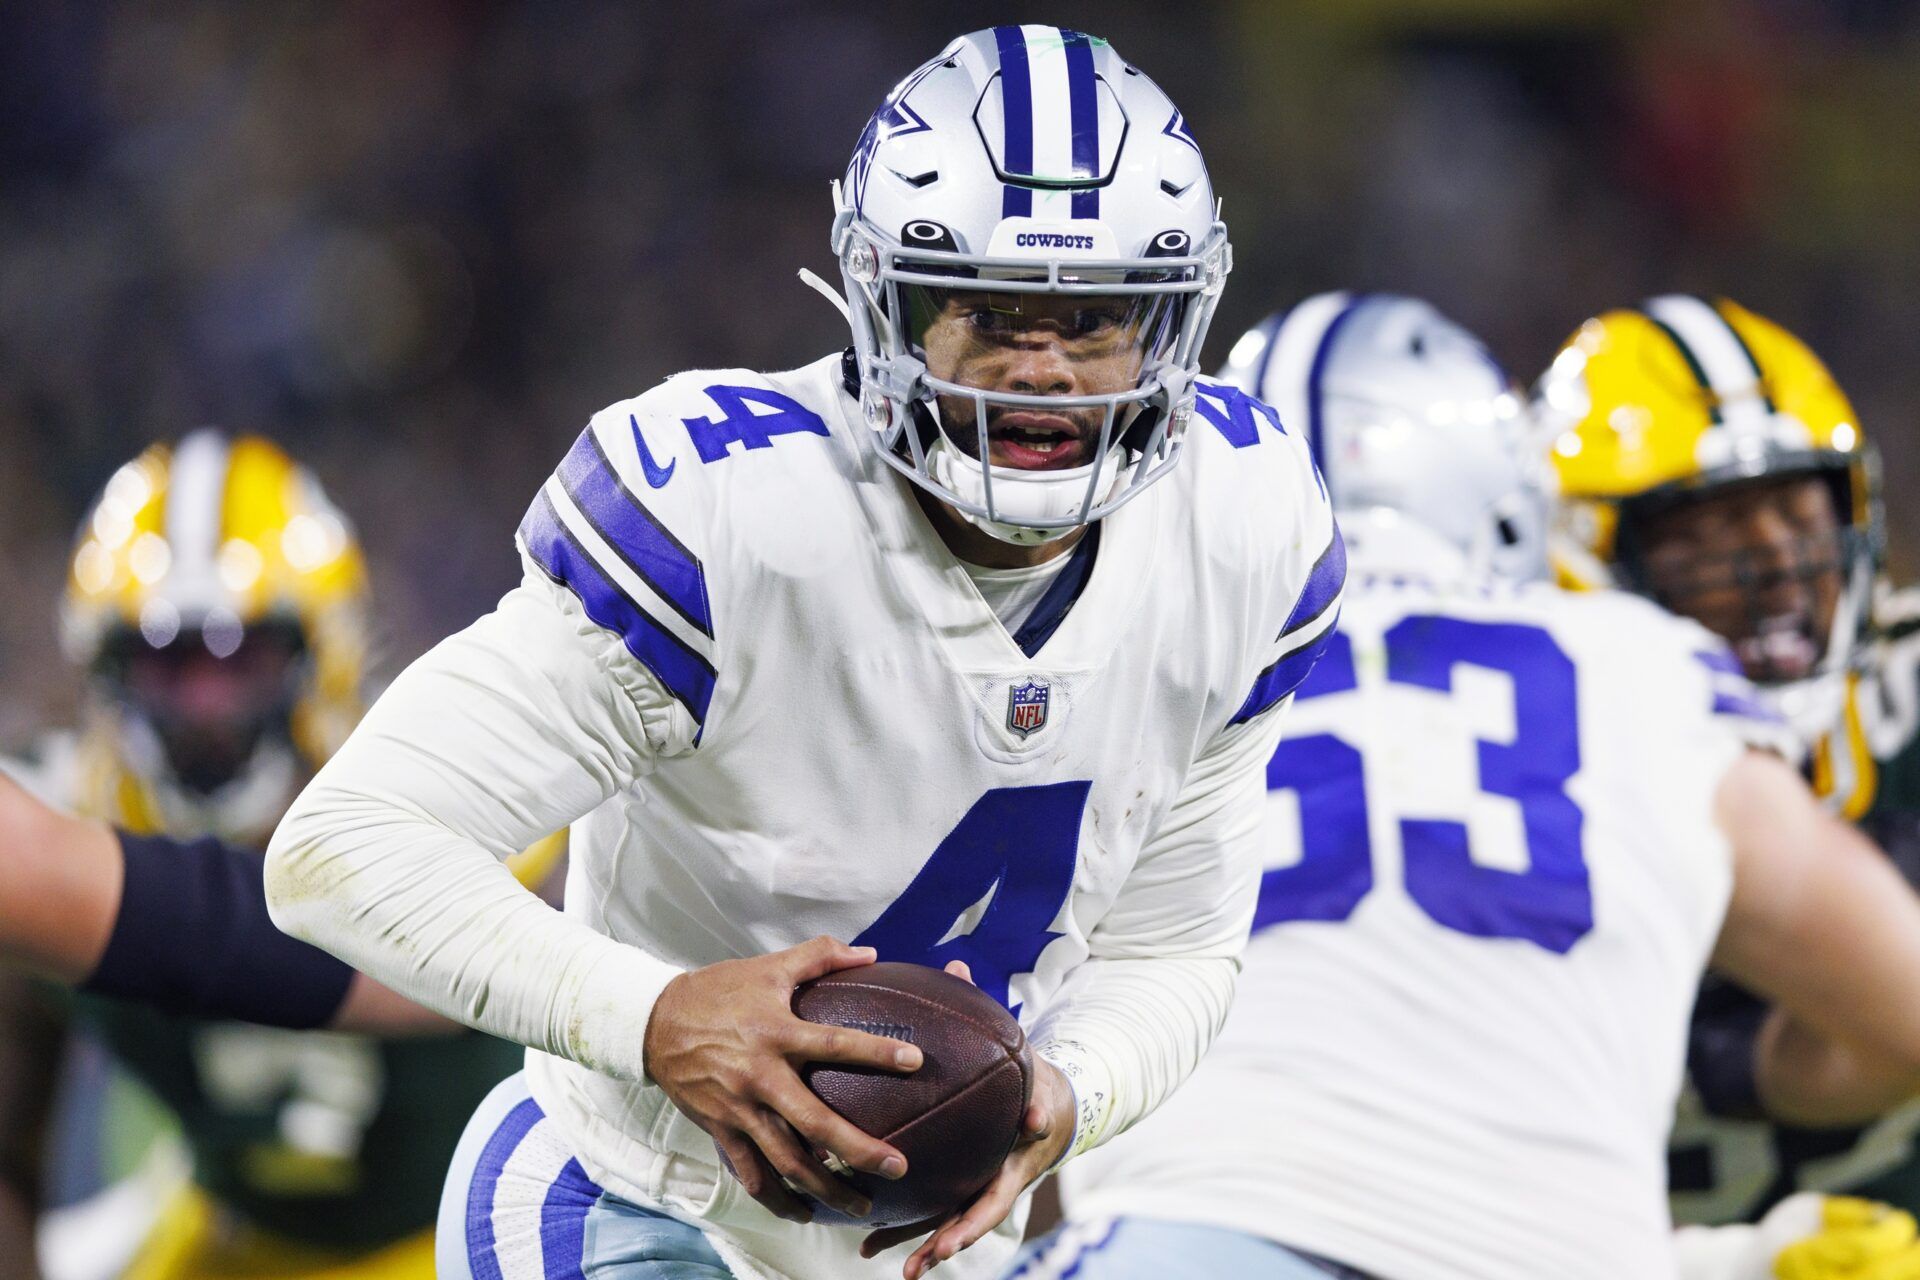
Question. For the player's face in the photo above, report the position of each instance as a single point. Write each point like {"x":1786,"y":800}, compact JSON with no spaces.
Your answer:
{"x":1035,"y":344}
{"x":211,"y":709}
{"x":1763,"y":565}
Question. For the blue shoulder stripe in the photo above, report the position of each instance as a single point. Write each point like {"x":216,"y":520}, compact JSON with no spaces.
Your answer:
{"x":1733,"y":693}
{"x":661,"y":560}
{"x":1283,"y":677}
{"x":685,"y":674}
{"x":1324,"y":581}
{"x":1720,"y":662}
{"x":1733,"y":704}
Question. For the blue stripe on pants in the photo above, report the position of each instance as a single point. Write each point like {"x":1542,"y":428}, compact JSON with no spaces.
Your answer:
{"x":486,"y":1176}
{"x":563,"y":1221}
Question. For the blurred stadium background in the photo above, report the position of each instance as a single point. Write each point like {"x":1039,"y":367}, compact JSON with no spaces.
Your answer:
{"x":419,"y":243}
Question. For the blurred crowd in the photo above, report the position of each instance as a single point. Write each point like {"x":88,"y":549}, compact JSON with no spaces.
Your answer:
{"x":420,"y":243}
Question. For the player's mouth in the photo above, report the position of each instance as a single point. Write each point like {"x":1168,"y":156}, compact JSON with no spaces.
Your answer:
{"x":1782,"y":647}
{"x":1034,"y":440}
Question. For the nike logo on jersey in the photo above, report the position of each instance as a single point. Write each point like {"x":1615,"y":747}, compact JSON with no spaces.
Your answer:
{"x":657,"y":475}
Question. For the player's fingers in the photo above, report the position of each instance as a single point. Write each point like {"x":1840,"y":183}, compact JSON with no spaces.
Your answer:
{"x":797,"y":1165}
{"x":827,"y":1130}
{"x":960,"y":970}
{"x":757,"y":1178}
{"x":820,"y":956}
{"x":978,"y":1218}
{"x":805,"y":1041}
{"x":923,"y":1259}
{"x":880,"y":1241}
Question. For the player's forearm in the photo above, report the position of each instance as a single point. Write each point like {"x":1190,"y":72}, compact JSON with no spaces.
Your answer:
{"x":59,"y":886}
{"x":391,"y":858}
{"x":1820,"y":920}
{"x":439,"y":920}
{"x":1806,"y":1077}
{"x":1127,"y":1032}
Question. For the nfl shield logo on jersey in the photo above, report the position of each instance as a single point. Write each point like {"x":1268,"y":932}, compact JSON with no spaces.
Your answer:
{"x":1027,"y":708}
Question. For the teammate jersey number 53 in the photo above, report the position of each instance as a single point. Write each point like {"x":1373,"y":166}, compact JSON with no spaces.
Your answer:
{"x":1506,"y":863}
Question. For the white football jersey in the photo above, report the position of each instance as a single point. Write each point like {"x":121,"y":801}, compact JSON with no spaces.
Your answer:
{"x":834,"y":733}
{"x":1493,"y":882}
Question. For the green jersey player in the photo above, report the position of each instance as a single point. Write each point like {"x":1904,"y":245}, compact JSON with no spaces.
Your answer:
{"x":1708,"y":459}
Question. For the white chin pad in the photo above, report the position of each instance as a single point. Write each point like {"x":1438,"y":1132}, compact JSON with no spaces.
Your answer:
{"x":1022,"y":498}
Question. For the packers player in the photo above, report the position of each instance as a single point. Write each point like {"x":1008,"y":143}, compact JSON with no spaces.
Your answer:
{"x":1507,"y":832}
{"x":1709,"y":460}
{"x":217,"y":603}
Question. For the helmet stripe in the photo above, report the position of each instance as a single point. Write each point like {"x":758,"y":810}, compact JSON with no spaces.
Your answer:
{"x":1084,"y":107}
{"x":1016,"y":113}
{"x":196,"y":506}
{"x":1292,"y":354}
{"x":1723,"y":363}
{"x":1693,"y":363}
{"x":1257,"y":384}
{"x":1316,"y":409}
{"x":1759,"y":376}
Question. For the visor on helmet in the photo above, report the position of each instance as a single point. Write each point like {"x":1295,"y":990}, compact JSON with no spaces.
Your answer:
{"x":1065,"y":347}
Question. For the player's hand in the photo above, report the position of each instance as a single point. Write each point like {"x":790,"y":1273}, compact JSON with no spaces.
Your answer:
{"x":1046,"y":1129}
{"x":724,"y":1044}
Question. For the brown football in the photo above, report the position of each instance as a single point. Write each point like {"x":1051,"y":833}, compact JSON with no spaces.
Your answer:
{"x":956,"y":1118}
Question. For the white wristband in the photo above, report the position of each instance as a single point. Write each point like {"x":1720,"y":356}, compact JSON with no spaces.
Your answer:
{"x":1092,"y":1087}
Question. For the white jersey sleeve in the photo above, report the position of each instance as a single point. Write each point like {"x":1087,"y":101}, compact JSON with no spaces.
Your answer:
{"x":1133,"y":1020}
{"x":531,"y":718}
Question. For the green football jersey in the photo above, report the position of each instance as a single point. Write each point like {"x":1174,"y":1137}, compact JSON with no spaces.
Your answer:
{"x":333,"y":1141}
{"x":1725,"y":1169}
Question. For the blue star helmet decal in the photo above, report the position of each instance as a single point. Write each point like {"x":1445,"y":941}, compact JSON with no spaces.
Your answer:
{"x":892,"y":120}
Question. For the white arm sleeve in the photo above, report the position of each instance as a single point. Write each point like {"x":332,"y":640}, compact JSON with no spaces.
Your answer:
{"x":1133,"y":1021}
{"x":390,"y":859}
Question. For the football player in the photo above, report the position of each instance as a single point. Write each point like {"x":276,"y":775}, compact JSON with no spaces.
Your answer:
{"x":967,"y":645}
{"x":216,"y":602}
{"x":1708,"y":460}
{"x":1509,"y":827}
{"x":179,"y":926}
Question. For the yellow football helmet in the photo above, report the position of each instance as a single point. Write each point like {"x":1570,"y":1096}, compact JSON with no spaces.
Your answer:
{"x":1652,"y":409}
{"x":218,"y":601}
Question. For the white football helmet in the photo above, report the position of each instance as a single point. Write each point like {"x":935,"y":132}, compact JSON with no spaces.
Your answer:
{"x":1416,"y":428}
{"x":1026,"y":161}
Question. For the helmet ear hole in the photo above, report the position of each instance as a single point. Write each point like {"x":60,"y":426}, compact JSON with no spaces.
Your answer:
{"x":928,"y":235}
{"x":1169,"y":244}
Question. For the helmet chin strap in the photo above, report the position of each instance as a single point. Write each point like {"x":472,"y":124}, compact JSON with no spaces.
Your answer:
{"x":1038,"y":495}
{"x":1039,"y":499}
{"x":827,"y":291}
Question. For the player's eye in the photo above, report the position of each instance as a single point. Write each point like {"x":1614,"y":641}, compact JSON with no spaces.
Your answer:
{"x":993,"y":320}
{"x":1089,"y":322}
